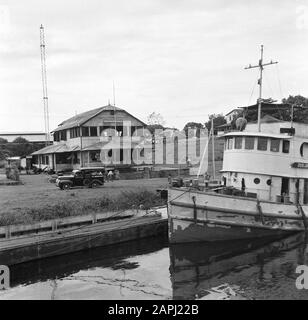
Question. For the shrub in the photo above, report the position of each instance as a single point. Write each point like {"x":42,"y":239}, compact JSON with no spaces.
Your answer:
{"x":139,"y":199}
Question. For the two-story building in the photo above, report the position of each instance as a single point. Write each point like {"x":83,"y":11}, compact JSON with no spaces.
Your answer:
{"x":102,"y":136}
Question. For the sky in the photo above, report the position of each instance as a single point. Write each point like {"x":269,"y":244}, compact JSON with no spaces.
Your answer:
{"x":183,"y":59}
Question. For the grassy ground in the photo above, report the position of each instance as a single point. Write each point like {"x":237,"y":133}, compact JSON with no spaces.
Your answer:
{"x":37,"y":199}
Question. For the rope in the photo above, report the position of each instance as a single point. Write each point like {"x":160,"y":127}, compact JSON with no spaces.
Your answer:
{"x":278,"y":77}
{"x":188,"y":190}
{"x":253,"y":89}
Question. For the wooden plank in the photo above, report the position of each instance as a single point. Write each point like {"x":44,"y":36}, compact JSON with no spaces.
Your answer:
{"x":13,"y":251}
{"x":7,"y":231}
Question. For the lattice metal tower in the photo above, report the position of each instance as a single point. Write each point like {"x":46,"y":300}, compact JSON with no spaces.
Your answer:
{"x":44,"y":83}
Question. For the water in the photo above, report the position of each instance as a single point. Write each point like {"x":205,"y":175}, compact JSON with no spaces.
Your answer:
{"x":150,"y":269}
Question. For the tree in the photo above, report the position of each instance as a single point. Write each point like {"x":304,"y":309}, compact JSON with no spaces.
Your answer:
{"x":300,"y":114}
{"x":4,"y":151}
{"x":193,"y":125}
{"x":298,"y":100}
{"x":155,"y":122}
{"x":156,"y":119}
{"x":218,"y":120}
{"x":20,"y":147}
{"x":3,"y":141}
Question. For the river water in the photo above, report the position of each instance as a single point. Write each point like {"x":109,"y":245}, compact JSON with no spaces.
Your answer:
{"x":151,"y":269}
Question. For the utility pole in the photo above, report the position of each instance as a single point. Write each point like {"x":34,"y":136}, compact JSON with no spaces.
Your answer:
{"x":44,"y":82}
{"x":261,"y":65}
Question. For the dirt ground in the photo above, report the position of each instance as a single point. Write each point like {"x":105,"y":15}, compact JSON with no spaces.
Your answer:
{"x":37,"y":192}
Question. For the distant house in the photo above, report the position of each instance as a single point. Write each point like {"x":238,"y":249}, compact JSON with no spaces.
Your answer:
{"x":79,"y":140}
{"x":231,"y":115}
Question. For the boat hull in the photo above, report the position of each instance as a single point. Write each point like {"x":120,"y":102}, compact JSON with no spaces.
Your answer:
{"x":196,"y":216}
{"x":188,"y":231}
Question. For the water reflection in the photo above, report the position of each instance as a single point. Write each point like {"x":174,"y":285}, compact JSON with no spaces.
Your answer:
{"x":257,"y":267}
{"x":114,"y":257}
{"x":149,"y":269}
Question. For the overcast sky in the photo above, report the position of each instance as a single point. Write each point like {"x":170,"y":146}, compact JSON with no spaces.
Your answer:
{"x":184,"y":59}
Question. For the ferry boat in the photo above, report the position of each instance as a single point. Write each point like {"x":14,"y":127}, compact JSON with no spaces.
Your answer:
{"x":263,"y":190}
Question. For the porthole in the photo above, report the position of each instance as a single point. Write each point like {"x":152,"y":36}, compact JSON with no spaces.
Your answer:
{"x":256,"y":180}
{"x":269,"y":182}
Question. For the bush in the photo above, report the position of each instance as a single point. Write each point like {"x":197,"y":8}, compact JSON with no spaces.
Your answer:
{"x":12,"y":173}
{"x":139,"y":199}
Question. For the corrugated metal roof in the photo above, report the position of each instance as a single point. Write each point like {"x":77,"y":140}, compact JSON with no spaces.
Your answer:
{"x":57,"y":148}
{"x":109,"y":145}
{"x":83,"y":117}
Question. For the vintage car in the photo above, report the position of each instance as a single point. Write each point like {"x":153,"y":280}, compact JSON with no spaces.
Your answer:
{"x":83,"y":177}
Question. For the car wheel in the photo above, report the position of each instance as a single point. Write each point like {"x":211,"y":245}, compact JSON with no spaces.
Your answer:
{"x":66,"y":186}
{"x":95,"y":184}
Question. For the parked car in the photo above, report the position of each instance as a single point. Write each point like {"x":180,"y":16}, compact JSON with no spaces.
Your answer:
{"x":64,"y":172}
{"x":84,"y":177}
{"x":177,"y":182}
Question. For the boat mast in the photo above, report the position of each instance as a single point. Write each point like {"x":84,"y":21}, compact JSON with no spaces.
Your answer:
{"x":261,"y":65}
{"x":213,"y":148}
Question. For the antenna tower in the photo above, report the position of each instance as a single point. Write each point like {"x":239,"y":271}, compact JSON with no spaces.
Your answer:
{"x":44,"y":83}
{"x":261,"y":66}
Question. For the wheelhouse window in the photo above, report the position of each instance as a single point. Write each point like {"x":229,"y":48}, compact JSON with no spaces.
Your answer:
{"x":249,"y":143}
{"x":230,"y":143}
{"x":285,"y":146}
{"x":262,"y":144}
{"x":275,"y":143}
{"x":238,"y":143}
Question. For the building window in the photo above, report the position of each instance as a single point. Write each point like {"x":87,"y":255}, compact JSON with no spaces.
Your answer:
{"x":285,"y":146}
{"x":262,"y":144}
{"x":75,"y":132}
{"x":269,"y":182}
{"x":85,"y":131}
{"x":275,"y":143}
{"x":56,"y":136}
{"x":249,"y":143}
{"x":94,"y":156}
{"x":238,"y":143}
{"x":256,"y":180}
{"x":93,"y":131}
{"x":63,"y":135}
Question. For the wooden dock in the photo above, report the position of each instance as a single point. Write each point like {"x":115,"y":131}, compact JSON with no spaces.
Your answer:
{"x":24,"y":243}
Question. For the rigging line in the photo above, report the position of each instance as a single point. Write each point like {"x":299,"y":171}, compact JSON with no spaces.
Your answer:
{"x":279,"y":82}
{"x":268,"y":84}
{"x":272,"y":93}
{"x":188,"y":190}
{"x":252,"y":92}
